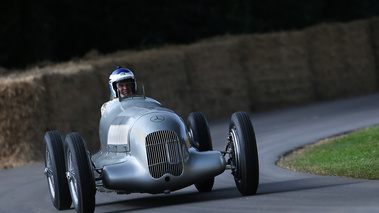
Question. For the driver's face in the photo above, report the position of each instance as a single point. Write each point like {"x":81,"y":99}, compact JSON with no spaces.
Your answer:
{"x":125,"y":87}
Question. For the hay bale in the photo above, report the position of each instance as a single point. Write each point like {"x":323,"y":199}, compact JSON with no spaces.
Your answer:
{"x":374,"y":40}
{"x":216,"y":78}
{"x":21,"y":120}
{"x":278,"y":72}
{"x":341,"y":60}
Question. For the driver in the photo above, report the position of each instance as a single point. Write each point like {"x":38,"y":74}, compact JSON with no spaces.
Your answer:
{"x":122,"y":83}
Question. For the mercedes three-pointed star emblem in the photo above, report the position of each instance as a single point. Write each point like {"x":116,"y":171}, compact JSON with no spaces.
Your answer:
{"x":157,"y":118}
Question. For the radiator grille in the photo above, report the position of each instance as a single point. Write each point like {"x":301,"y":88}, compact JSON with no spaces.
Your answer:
{"x":163,"y":154}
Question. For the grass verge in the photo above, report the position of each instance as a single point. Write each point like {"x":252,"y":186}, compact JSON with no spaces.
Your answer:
{"x":354,"y":155}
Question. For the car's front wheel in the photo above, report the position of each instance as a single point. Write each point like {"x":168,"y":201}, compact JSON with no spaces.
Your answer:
{"x":79,"y":174}
{"x":243,"y":153}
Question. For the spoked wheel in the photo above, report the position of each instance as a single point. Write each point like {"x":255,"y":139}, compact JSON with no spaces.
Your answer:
{"x":55,"y":170}
{"x":79,"y":174}
{"x":197,"y":124}
{"x":243,"y":155}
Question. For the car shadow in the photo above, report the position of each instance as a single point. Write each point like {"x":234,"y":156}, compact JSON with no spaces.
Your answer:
{"x":155,"y":201}
{"x":179,"y":198}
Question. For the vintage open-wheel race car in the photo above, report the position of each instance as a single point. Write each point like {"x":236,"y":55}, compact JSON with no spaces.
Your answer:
{"x":147,"y":148}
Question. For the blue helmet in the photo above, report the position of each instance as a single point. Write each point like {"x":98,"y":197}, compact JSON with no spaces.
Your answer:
{"x":120,"y":74}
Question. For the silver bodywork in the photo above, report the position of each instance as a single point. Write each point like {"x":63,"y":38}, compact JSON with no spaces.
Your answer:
{"x":146,"y":148}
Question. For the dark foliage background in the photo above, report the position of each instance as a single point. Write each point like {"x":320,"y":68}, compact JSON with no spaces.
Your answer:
{"x":34,"y":31}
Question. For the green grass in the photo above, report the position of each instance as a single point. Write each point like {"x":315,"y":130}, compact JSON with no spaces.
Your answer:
{"x":354,"y":155}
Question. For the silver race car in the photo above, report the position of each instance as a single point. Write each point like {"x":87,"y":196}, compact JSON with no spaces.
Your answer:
{"x":147,"y":148}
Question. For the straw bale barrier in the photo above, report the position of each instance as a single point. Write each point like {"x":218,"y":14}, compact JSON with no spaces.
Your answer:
{"x":20,"y":103}
{"x":342,"y":60}
{"x":217,"y":76}
{"x":277,"y":68}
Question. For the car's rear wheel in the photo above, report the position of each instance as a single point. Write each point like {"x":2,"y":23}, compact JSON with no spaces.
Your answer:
{"x":55,"y":170}
{"x":79,"y":174}
{"x":197,"y":124}
{"x":243,"y":153}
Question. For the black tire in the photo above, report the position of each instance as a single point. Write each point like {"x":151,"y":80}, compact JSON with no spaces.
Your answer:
{"x":197,"y":124}
{"x":80,"y":174}
{"x":55,"y":170}
{"x":244,"y":155}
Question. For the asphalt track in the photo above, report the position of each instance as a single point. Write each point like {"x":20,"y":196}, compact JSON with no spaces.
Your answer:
{"x":278,"y":132}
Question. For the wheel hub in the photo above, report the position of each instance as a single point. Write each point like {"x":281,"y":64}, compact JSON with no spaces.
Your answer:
{"x":233,"y":150}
